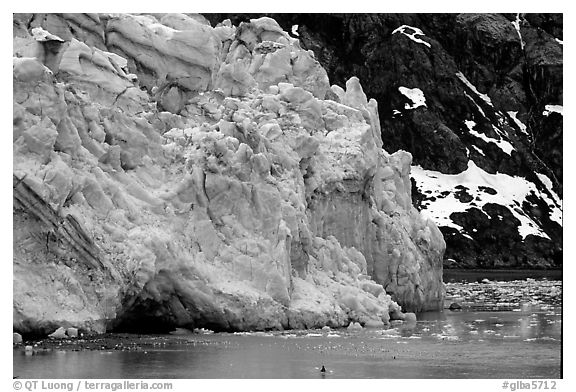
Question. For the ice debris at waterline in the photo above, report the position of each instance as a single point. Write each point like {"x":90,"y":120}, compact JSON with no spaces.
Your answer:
{"x":504,"y":296}
{"x":178,"y":175}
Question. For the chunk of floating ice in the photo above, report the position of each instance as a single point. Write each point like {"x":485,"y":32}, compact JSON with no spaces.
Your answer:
{"x":203,"y":331}
{"x":252,"y":333}
{"x":313,"y":334}
{"x":333,"y":335}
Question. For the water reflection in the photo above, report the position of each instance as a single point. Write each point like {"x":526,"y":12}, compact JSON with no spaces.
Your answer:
{"x":448,"y":344}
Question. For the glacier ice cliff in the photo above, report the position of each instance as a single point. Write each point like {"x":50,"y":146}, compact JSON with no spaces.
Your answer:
{"x":172,"y":174}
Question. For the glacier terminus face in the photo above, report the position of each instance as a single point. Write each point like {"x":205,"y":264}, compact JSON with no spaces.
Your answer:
{"x":171,"y":174}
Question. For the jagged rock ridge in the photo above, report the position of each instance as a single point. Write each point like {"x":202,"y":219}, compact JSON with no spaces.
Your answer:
{"x":169,"y":174}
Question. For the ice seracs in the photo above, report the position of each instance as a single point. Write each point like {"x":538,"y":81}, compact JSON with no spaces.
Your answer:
{"x":218,"y":185}
{"x":39,"y":34}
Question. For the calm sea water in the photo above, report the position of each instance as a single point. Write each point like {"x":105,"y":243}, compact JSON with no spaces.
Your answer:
{"x":522,"y":344}
{"x":471,"y":275}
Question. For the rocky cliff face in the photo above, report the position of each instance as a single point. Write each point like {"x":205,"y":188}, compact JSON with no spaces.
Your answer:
{"x":172,"y":174}
{"x":477,"y":100}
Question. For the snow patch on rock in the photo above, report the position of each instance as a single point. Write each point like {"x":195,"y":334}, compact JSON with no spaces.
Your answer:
{"x":511,"y":191}
{"x":464,"y":80}
{"x":412,"y":35}
{"x":520,"y":124}
{"x":516,"y":24}
{"x":415,"y":95}
{"x":553,"y":109}
{"x":295,"y":30}
{"x":479,"y":150}
{"x":556,"y":206}
{"x":502,"y":144}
